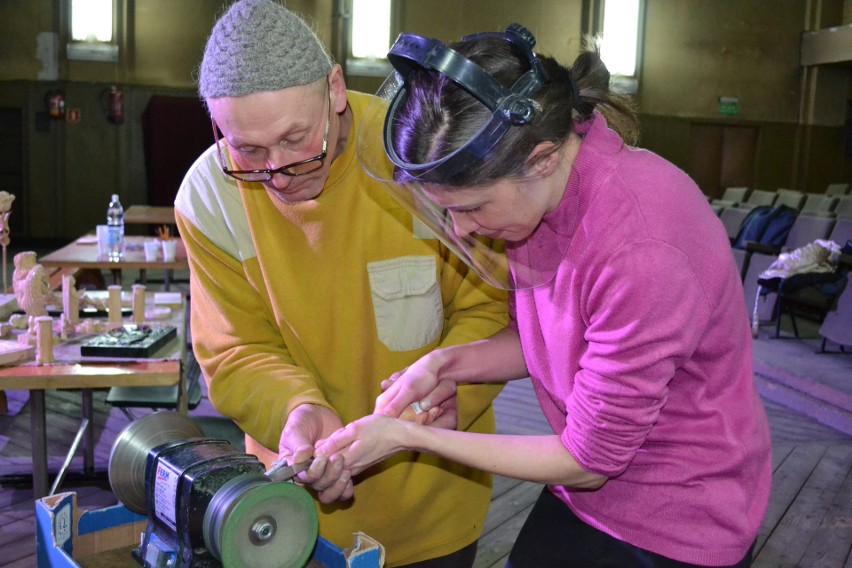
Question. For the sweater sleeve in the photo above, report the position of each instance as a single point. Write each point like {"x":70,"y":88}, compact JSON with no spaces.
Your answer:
{"x":645,"y":310}
{"x":250,"y":374}
{"x":472,"y":310}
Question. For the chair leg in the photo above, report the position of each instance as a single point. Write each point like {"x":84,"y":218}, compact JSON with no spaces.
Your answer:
{"x":126,"y":411}
{"x":793,"y":321}
{"x":779,"y":311}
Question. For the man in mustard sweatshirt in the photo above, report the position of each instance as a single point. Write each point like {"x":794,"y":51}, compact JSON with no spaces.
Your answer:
{"x":310,"y":285}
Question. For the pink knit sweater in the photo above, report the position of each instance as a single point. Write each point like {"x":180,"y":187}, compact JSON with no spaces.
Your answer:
{"x":640,"y":354}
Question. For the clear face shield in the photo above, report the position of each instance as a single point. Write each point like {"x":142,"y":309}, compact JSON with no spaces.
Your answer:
{"x":504,"y":265}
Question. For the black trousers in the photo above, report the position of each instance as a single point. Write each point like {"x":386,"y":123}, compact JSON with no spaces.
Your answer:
{"x":554,"y":537}
{"x":459,"y":559}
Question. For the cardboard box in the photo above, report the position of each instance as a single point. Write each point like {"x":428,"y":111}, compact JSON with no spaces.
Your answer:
{"x":104,"y":537}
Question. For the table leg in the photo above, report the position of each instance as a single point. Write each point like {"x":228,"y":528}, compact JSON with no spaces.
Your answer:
{"x":38,"y":440}
{"x":89,"y":439}
{"x":116,"y":275}
{"x":182,"y":404}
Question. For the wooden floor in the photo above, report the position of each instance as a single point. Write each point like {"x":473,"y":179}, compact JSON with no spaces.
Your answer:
{"x":809,"y":520}
{"x":808,"y":524}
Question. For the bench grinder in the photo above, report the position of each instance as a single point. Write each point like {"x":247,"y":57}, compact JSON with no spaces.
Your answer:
{"x":208,"y":504}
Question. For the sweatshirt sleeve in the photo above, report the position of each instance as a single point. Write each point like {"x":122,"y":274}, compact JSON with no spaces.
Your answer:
{"x":645,"y":310}
{"x":237,"y":345}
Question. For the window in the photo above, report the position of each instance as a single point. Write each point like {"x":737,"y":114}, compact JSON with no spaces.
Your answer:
{"x":620,"y":41}
{"x":371,"y":37}
{"x":92,"y":31}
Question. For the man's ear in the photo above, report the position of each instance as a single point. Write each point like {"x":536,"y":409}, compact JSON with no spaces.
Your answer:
{"x":337,"y":88}
{"x":543,"y":160}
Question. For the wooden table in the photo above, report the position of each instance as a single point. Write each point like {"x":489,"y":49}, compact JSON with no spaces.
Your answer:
{"x":165,"y":369}
{"x":83,"y":253}
{"x":149,"y":215}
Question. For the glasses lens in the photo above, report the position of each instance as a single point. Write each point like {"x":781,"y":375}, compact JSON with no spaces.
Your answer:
{"x":306,"y":168}
{"x":248,"y":176}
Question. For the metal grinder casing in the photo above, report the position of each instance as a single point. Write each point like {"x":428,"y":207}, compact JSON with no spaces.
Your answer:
{"x":182,"y":478}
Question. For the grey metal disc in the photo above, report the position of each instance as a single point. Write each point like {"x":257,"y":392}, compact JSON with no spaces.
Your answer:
{"x":130,"y":452}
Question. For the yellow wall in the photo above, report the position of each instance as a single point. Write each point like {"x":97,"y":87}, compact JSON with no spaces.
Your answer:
{"x":694,"y":52}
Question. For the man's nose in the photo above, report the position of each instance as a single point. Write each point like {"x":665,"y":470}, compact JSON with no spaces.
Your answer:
{"x":275,"y":160}
{"x":280,"y":181}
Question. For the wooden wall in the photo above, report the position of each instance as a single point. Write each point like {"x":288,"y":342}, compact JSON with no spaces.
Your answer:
{"x":695,"y":51}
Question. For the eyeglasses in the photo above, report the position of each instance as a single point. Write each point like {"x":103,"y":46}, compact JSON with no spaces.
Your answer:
{"x":295,"y":169}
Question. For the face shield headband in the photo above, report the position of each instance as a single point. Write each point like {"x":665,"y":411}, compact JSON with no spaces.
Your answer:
{"x":499,"y":263}
{"x":509,"y":107}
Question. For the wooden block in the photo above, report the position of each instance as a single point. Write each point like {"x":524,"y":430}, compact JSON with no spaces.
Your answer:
{"x":12,"y":352}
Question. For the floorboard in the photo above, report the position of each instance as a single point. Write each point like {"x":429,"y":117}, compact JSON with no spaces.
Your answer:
{"x":808,"y":523}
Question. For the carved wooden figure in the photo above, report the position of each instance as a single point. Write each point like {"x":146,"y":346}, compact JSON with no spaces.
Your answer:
{"x":70,"y":300}
{"x":32,"y":287}
{"x":6,"y":200}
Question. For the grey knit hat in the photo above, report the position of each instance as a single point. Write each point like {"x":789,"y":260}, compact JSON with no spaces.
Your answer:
{"x":259,"y":45}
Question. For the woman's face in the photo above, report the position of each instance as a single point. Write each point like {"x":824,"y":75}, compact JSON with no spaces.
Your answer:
{"x":509,"y":209}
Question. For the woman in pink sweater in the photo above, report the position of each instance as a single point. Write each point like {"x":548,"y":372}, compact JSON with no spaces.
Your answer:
{"x":628,"y":312}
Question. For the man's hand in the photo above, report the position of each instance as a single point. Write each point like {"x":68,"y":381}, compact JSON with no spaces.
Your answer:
{"x":420,"y":384}
{"x":306,"y":425}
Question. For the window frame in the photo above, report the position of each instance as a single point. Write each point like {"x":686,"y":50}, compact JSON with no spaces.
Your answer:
{"x":368,"y":66}
{"x":82,"y":50}
{"x":628,"y":83}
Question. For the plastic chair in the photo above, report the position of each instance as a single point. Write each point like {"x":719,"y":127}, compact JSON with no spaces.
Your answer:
{"x":158,"y":398}
{"x":806,"y":229}
{"x":837,"y":325}
{"x":838,"y":188}
{"x":819,"y":204}
{"x":814,"y":292}
{"x":790,"y":198}
{"x":760,"y":197}
{"x":732,"y":197}
{"x":732,"y":218}
{"x":844,"y":206}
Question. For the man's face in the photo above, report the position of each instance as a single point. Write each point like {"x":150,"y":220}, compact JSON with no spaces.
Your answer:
{"x":272,"y":129}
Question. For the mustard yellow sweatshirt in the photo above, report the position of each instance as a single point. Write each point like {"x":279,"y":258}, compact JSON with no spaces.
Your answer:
{"x":316,"y":303}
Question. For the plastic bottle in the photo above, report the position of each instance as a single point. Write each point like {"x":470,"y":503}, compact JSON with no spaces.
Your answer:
{"x":115,"y":221}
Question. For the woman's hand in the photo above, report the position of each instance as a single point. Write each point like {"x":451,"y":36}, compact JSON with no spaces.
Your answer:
{"x":419,"y":383}
{"x":364,"y":442}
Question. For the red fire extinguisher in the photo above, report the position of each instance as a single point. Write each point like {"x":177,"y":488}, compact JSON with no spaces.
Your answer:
{"x":55,"y":102}
{"x":115,"y":105}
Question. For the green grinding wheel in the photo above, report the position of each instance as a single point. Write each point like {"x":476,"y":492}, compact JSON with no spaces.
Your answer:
{"x":253,"y":522}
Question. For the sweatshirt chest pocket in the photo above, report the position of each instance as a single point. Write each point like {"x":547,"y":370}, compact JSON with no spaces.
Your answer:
{"x":406,"y":301}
